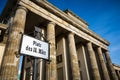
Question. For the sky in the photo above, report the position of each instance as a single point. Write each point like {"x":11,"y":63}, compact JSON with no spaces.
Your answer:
{"x":2,"y":4}
{"x":103,"y":17}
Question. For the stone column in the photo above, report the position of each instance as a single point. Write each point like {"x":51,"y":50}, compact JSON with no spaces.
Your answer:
{"x":65,"y":58}
{"x":110,"y":66}
{"x":103,"y":65}
{"x":51,"y":68}
{"x":95,"y":71}
{"x":10,"y":64}
{"x":118,"y":74}
{"x":73,"y":57}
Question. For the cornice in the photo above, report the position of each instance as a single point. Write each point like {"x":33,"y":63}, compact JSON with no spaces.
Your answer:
{"x":69,"y":11}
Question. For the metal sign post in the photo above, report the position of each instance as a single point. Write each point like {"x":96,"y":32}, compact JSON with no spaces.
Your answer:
{"x":35,"y":47}
{"x":34,"y":69}
{"x":37,"y":34}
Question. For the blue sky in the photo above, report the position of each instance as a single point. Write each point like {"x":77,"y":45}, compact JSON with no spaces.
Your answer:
{"x":103,"y":17}
{"x":2,"y":4}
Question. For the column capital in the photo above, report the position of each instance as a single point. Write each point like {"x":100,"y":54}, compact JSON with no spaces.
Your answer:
{"x":71,"y":33}
{"x":52,"y":23}
{"x":22,"y":7}
{"x":99,"y":50}
{"x":99,"y":47}
{"x":89,"y":45}
{"x":89,"y":42}
{"x":107,"y":52}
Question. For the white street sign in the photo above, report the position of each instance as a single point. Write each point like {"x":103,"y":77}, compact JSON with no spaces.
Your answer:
{"x":34,"y":47}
